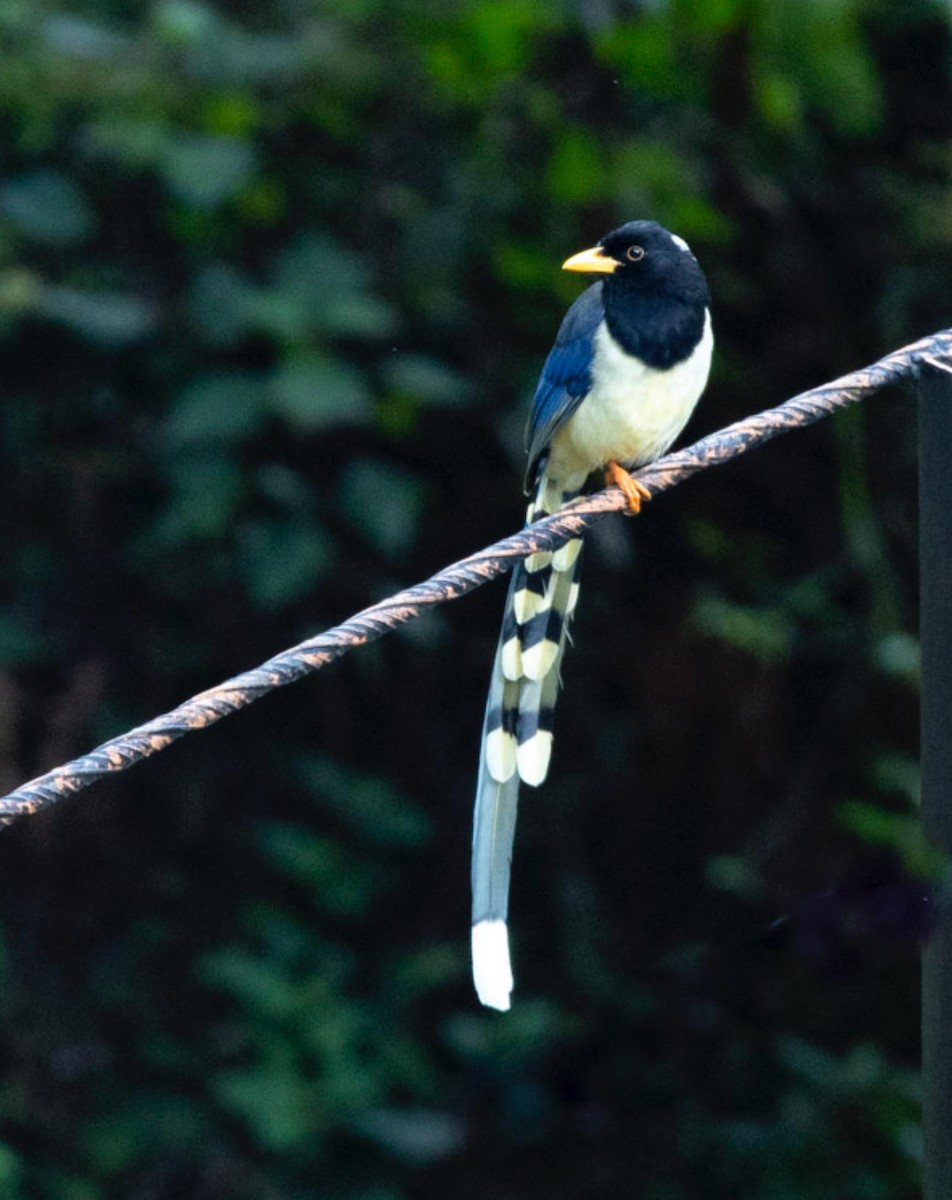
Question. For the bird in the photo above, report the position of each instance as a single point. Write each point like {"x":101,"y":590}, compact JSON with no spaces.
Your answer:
{"x":630,"y":362}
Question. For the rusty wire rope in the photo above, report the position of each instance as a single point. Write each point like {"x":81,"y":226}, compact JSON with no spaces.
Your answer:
{"x":122,"y":752}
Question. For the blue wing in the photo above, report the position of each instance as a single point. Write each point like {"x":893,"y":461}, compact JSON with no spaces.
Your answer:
{"x":566,"y":378}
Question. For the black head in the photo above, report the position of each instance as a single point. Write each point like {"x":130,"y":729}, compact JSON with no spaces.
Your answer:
{"x":644,"y":256}
{"x":654,"y":291}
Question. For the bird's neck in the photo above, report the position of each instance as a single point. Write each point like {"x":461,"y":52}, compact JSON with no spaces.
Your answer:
{"x":659,"y":328}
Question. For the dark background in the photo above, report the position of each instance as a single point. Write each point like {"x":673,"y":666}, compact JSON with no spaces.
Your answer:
{"x":276,"y":281}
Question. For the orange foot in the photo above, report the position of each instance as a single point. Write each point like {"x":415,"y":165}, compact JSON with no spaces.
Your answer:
{"x":634,"y":491}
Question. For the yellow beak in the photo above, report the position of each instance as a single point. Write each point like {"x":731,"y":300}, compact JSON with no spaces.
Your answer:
{"x":591,"y":260}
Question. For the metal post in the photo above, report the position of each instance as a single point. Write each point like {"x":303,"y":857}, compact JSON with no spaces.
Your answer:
{"x":935,"y":550}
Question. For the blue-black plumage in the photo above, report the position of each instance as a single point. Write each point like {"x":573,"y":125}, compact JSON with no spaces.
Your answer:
{"x":629,"y":363}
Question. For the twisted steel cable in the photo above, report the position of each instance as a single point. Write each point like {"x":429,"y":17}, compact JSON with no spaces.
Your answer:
{"x":124,"y":751}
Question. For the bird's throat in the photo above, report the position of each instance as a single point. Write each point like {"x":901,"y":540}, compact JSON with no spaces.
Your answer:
{"x":660,"y":329}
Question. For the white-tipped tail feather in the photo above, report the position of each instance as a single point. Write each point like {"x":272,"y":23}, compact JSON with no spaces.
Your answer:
{"x":510,"y":659}
{"x":492,"y":969}
{"x":541,"y":559}
{"x":526,"y":605}
{"x":517,"y":732}
{"x":532,"y":758}
{"x":501,"y":751}
{"x":539,"y":659}
{"x":564,"y":558}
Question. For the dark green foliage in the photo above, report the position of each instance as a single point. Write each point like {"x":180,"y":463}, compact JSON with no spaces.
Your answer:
{"x":275,"y":284}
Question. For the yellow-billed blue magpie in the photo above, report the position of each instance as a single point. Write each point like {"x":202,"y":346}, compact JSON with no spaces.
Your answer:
{"x":628,"y":365}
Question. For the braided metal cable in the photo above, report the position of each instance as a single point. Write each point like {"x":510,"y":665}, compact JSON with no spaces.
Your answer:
{"x":122,"y":752}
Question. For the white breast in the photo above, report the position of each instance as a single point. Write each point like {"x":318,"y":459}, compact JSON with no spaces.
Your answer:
{"x":634,"y":412}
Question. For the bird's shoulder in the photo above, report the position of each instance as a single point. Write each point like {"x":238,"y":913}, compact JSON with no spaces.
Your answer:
{"x":571,"y":356}
{"x":566,"y":377}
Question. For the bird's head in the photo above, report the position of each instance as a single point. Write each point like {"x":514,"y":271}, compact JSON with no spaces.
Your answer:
{"x":642,"y":254}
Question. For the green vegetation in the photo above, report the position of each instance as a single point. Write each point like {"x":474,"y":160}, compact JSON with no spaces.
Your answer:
{"x":275,"y":284}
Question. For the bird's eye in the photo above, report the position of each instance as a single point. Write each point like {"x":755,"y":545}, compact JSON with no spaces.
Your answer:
{"x":635,"y":253}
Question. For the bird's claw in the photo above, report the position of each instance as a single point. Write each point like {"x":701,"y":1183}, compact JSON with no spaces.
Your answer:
{"x":635,"y":492}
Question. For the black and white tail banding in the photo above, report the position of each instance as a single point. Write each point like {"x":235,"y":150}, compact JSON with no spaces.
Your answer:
{"x":517,"y":729}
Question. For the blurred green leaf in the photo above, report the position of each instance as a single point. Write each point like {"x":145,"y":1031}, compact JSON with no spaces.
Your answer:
{"x":273,"y":1101}
{"x":321,"y":286}
{"x":135,"y":142}
{"x":901,"y":832}
{"x":20,"y":292}
{"x":577,"y":173}
{"x":20,"y":644}
{"x":47,"y":205}
{"x":287,"y":488}
{"x":11,"y":1170}
{"x":313,"y":393}
{"x":384,"y":503}
{"x":899,"y":774}
{"x":282,"y":561}
{"x":794,"y":44}
{"x":765,"y":634}
{"x":898,"y":656}
{"x":644,"y":55}
{"x":257,"y":983}
{"x":220,"y":303}
{"x":860,"y":1069}
{"x":338,"y":882}
{"x":114,"y":1145}
{"x":238,"y":57}
{"x":104,"y":318}
{"x":357,"y":315}
{"x":524,"y":265}
{"x":536,"y":1024}
{"x":656,"y":175}
{"x":368,"y":804}
{"x":729,"y":873}
{"x":431,"y":968}
{"x":205,"y":171}
{"x":206,"y":488}
{"x":182,"y":22}
{"x":426,"y":380}
{"x":416,"y":1135}
{"x":83,"y":38}
{"x":219,"y":408}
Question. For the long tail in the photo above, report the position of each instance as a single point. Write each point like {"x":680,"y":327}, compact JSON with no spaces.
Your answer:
{"x":517,"y":730}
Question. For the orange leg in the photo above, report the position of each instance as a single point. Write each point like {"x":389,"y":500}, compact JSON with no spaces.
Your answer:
{"x":634,"y":491}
